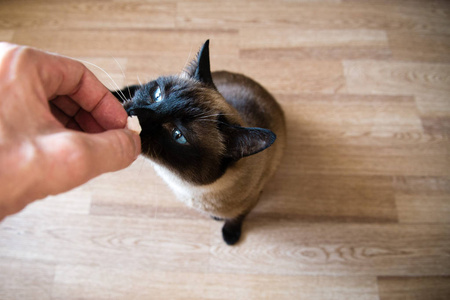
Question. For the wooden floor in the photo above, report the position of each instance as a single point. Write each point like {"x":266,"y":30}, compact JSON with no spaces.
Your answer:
{"x":360,"y":206}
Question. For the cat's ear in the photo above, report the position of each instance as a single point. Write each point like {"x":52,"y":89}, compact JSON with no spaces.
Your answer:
{"x":244,"y":141}
{"x":200,"y":68}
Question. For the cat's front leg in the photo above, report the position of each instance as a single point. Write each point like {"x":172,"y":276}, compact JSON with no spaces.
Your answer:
{"x":231,"y":230}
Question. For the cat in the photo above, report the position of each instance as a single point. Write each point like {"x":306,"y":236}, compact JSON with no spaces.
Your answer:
{"x":215,"y":138}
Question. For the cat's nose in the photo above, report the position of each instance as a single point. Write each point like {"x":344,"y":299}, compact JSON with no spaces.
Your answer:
{"x":144,"y":114}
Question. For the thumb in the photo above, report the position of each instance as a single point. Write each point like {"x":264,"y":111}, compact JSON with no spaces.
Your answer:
{"x":74,"y":158}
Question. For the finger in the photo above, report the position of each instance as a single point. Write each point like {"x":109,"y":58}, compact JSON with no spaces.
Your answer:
{"x":66,"y":105}
{"x":81,"y":121}
{"x":64,"y":76}
{"x":65,"y":110}
{"x":73,"y":125}
{"x":64,"y":119}
{"x":89,"y":93}
{"x":87,"y":122}
{"x":76,"y":157}
{"x":59,"y":114}
{"x":108,"y":112}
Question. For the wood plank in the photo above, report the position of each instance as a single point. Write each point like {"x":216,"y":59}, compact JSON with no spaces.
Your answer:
{"x":380,"y":158}
{"x":294,"y":76}
{"x":317,"y":53}
{"x":378,"y":136}
{"x":6,"y":35}
{"x":436,"y":104}
{"x":22,"y":279}
{"x":423,"y":208}
{"x":84,"y":14}
{"x":411,"y":15}
{"x":74,"y":202}
{"x":119,"y":43}
{"x":288,"y":42}
{"x":414,"y":288}
{"x":410,"y":185}
{"x":396,"y":78}
{"x":290,"y":36}
{"x":436,"y":125}
{"x":384,"y":15}
{"x":419,"y":47}
{"x":91,"y":282}
{"x":325,"y":198}
{"x":423,"y":199}
{"x":108,"y":241}
{"x":351,"y":115}
{"x":293,"y":248}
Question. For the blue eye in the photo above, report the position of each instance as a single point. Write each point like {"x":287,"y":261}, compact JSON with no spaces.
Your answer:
{"x":157,"y":95}
{"x":178,"y":136}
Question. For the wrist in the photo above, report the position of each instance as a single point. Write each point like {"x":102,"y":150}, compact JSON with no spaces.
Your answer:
{"x":18,"y":175}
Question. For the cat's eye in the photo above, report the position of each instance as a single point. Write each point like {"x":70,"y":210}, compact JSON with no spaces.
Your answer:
{"x":178,"y":136}
{"x":157,"y":97}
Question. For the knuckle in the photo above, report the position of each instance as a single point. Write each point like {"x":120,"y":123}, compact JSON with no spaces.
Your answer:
{"x":74,"y":153}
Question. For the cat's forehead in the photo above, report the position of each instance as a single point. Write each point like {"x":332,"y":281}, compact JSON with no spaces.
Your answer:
{"x":185,"y":98}
{"x":190,"y":92}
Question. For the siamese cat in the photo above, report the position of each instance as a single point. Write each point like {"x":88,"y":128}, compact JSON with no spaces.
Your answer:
{"x":215,"y":138}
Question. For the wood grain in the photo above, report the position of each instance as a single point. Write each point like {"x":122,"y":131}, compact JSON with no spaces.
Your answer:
{"x":405,"y":288}
{"x":339,"y":249}
{"x":87,"y":15}
{"x":16,"y":282}
{"x":288,"y":42}
{"x":396,"y":78}
{"x":127,"y":42}
{"x":359,"y":207}
{"x":419,"y":47}
{"x":108,"y":283}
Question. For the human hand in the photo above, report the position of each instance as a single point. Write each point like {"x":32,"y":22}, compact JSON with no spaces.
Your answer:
{"x":59,"y":127}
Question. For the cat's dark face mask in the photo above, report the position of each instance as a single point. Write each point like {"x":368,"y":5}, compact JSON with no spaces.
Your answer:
{"x":179,"y":128}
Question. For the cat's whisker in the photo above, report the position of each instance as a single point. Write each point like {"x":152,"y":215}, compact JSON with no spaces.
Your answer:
{"x":121,"y":95}
{"x":140,"y":83}
{"x":214,"y":115}
{"x":123,"y":73}
{"x":214,"y":121}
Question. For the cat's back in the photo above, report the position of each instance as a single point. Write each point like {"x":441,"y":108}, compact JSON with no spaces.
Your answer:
{"x":257,"y":107}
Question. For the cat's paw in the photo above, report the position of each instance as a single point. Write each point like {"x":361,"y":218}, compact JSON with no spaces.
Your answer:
{"x":231,"y":232}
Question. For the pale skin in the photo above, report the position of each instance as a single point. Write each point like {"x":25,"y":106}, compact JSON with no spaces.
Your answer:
{"x":59,"y":127}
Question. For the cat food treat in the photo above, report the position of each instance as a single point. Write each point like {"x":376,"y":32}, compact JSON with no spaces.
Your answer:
{"x":133,"y":124}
